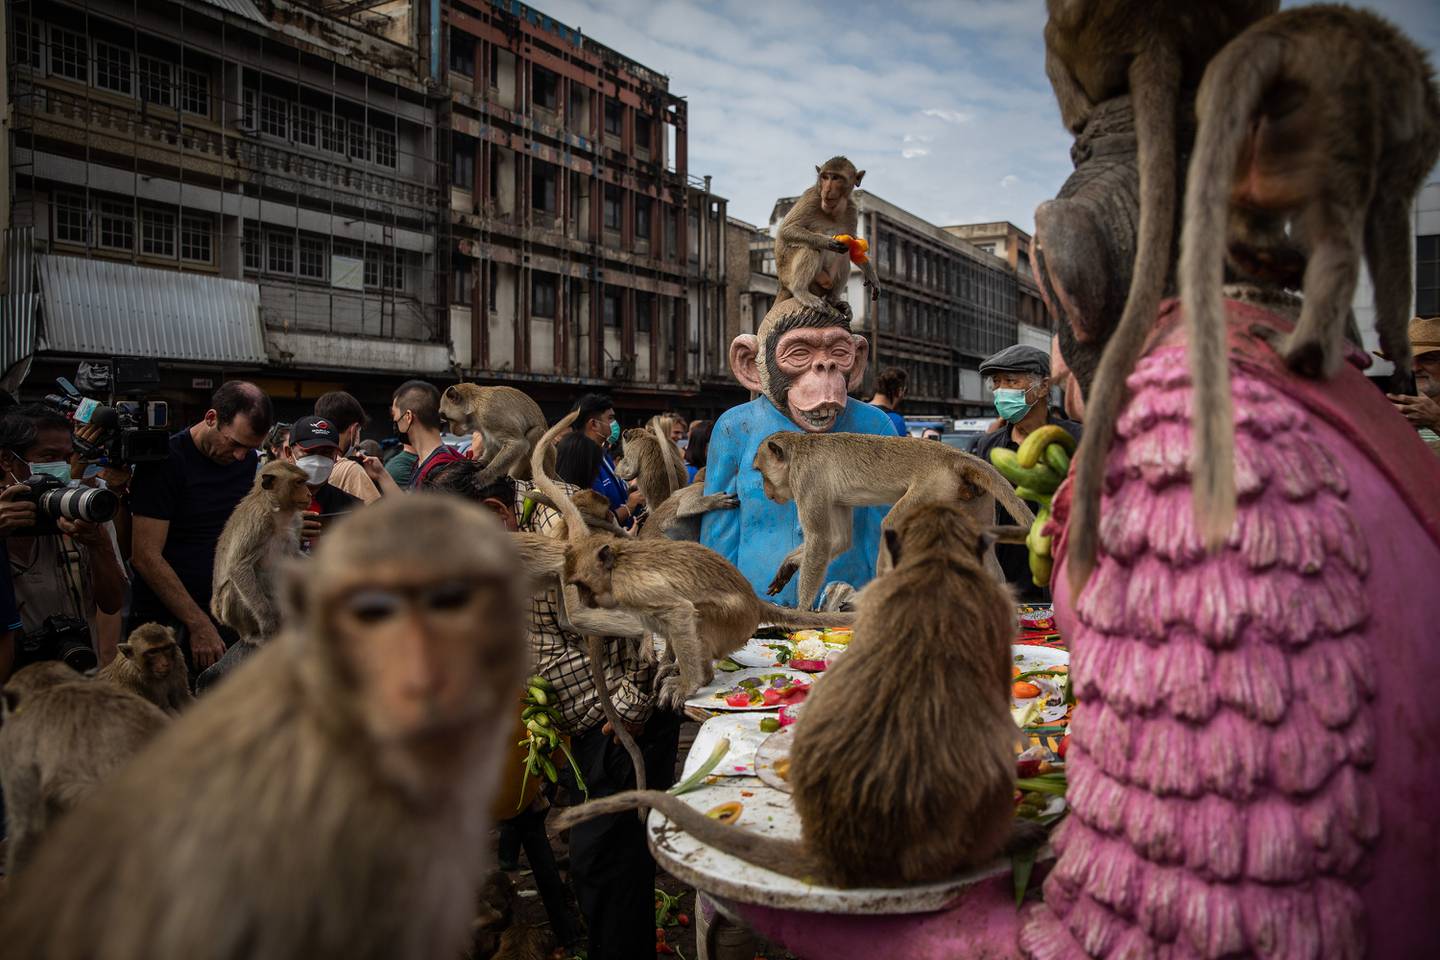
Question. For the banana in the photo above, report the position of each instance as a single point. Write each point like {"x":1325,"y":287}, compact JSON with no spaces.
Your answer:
{"x":531,"y":711}
{"x":1005,"y":460}
{"x":541,"y":682}
{"x":1057,"y":459}
{"x":1034,"y":445}
{"x":539,"y":696}
{"x":1040,"y":568}
{"x":1036,"y":477}
{"x":1034,"y":496}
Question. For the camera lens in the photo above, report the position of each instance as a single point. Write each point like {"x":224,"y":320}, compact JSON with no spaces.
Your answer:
{"x":78,"y":503}
{"x":78,"y":655}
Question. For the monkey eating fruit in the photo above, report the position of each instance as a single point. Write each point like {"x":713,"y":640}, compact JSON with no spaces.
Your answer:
{"x":150,"y":664}
{"x":812,"y":261}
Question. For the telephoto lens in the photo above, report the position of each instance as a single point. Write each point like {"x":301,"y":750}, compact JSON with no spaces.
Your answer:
{"x":78,"y":503}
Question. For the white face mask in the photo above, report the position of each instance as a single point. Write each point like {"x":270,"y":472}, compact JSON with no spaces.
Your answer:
{"x":59,"y":469}
{"x":683,"y":442}
{"x":317,"y":468}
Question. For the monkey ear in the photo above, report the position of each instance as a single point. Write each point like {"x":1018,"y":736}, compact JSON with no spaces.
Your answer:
{"x":744,"y":361}
{"x":817,"y":169}
{"x":862,"y":360}
{"x":892,"y":546}
{"x":606,"y":556}
{"x":859,"y":175}
{"x":267,"y":481}
{"x":776,"y":451}
{"x":126,"y":651}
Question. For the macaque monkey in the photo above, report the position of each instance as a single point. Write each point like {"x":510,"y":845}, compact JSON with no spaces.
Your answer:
{"x":813,"y":265}
{"x":1316,"y":129}
{"x":891,"y":801}
{"x":679,"y":516}
{"x":829,"y":474}
{"x":684,"y":592}
{"x":330,"y":799}
{"x":61,"y":735}
{"x":509,"y":419}
{"x":652,"y":460}
{"x":262,"y":533}
{"x":150,"y":664}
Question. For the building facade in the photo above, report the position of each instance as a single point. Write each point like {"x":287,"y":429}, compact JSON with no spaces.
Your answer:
{"x":751,"y":284}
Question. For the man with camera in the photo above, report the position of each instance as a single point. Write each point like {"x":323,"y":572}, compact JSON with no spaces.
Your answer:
{"x":58,"y":585}
{"x":179,"y":507}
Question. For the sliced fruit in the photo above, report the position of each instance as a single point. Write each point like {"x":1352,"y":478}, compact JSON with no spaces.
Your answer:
{"x":726,"y":812}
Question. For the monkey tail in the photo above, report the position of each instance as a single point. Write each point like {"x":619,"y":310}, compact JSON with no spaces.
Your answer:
{"x":574,"y":519}
{"x":595,"y":650}
{"x":999,"y":488}
{"x":674,"y":468}
{"x":1228,"y":96}
{"x":804,"y":619}
{"x":787,"y":857}
{"x":1154,"y":90}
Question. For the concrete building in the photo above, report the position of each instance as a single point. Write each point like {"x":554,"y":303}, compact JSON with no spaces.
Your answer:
{"x":750,"y":281}
{"x":583,"y":254}
{"x":228,"y":191}
{"x":946,"y":306}
{"x":1011,"y":244}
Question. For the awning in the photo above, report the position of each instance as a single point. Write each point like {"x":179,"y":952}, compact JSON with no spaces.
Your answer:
{"x":117,"y":309}
{"x":241,"y":8}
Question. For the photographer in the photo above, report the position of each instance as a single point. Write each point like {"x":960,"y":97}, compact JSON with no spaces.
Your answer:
{"x":179,"y":507}
{"x":51,"y":578}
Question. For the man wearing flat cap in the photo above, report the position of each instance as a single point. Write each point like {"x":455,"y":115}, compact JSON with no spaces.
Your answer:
{"x":1019,"y":377}
{"x":1423,"y":410}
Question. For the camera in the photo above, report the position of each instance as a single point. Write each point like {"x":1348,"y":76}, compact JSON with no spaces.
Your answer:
{"x":132,"y":430}
{"x":66,"y":639}
{"x":53,"y":499}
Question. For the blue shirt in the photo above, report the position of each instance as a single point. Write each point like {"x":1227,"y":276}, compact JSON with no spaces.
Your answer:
{"x":609,"y":484}
{"x":901,"y":427}
{"x":690,"y":471}
{"x":758,"y":535}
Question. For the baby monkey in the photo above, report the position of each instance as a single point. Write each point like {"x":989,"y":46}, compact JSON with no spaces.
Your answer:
{"x":150,"y":664}
{"x":882,"y":800}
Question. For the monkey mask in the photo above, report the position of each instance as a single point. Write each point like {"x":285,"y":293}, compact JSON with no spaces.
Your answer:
{"x":804,"y":360}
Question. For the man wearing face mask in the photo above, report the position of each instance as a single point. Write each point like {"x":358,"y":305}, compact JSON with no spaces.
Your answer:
{"x":49,"y":579}
{"x":415,"y":413}
{"x":598,"y":422}
{"x":1019,"y":377}
{"x":315,"y":448}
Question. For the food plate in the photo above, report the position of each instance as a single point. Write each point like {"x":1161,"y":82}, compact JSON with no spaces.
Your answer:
{"x":1037,"y":617}
{"x":774,"y":749}
{"x":761,"y":652}
{"x":745,"y":736}
{"x":706,"y":697}
{"x":1027,"y":657}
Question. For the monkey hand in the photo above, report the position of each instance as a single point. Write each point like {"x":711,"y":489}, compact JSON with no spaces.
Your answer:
{"x":837,"y":245}
{"x":782,"y":577}
{"x":15,"y":514}
{"x":1421,"y":411}
{"x":673,"y":694}
{"x":664,"y":672}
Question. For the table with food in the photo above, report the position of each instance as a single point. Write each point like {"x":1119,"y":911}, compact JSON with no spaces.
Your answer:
{"x":738,"y":766}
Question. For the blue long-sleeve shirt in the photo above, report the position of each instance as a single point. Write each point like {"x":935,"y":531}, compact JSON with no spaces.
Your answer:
{"x":760,"y":532}
{"x":609,"y":484}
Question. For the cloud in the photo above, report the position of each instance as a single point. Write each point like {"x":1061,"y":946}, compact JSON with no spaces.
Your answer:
{"x":949,"y":116}
{"x":1009,"y":180}
{"x":910,"y":153}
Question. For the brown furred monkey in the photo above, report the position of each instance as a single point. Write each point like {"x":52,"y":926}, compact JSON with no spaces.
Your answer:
{"x":681,"y":591}
{"x":330,"y":798}
{"x":882,"y":800}
{"x":813,"y":266}
{"x":829,"y":474}
{"x":1316,"y":127}
{"x":652,"y":461}
{"x":508,"y":418}
{"x":61,"y":736}
{"x":262,"y":533}
{"x":679,"y":517}
{"x":150,"y":664}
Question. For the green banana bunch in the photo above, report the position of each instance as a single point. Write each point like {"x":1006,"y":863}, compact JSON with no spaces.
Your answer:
{"x":541,"y":717}
{"x":1037,"y":470}
{"x":1031,"y":483}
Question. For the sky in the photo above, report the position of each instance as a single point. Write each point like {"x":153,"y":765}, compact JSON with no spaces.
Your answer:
{"x":944,"y":103}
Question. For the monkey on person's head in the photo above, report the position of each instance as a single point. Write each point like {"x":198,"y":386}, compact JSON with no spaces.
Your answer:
{"x":805,"y":360}
{"x":508,"y":419}
{"x":150,"y":664}
{"x":813,"y":264}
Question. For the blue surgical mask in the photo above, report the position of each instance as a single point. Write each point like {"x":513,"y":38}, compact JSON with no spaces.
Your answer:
{"x":614,"y":431}
{"x":1011,"y":404}
{"x":58,"y":469}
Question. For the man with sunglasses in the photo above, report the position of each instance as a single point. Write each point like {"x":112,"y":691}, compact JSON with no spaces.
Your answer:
{"x":180,"y":506}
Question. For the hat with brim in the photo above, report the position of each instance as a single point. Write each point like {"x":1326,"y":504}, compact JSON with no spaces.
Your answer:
{"x":314,"y":433}
{"x":1424,"y":333}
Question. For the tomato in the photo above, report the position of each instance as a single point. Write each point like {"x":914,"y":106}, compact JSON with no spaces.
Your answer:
{"x":1064,"y":745}
{"x":738,"y":699}
{"x":795,"y":692}
{"x":1024,"y":690}
{"x":771,"y":696}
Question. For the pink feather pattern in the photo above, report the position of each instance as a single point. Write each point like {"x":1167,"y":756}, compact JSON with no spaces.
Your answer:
{"x":1222,"y":804}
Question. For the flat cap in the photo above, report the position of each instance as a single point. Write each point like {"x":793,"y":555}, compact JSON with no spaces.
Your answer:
{"x":1018,"y":359}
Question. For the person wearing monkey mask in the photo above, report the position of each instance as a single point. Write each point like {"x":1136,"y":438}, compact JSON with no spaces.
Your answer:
{"x":804,"y":362}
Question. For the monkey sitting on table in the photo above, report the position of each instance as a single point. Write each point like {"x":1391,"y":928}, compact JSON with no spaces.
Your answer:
{"x":329,"y":800}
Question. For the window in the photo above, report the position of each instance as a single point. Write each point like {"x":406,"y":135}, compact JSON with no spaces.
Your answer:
{"x":249,"y":108}
{"x":71,"y":218}
{"x":195,"y":92}
{"x":157,"y":233}
{"x":543,"y":177}
{"x":1427,"y":276}
{"x":693,"y":238}
{"x":156,"y":82}
{"x":611,"y":308}
{"x":393,"y":270}
{"x":612,"y":207}
{"x":251,"y":246}
{"x":614,"y":117}
{"x":29,"y":43}
{"x":462,"y":286}
{"x":117,"y":225}
{"x":642,"y":218}
{"x":383,"y":144}
{"x":307,"y":126}
{"x":643,"y":128}
{"x":332,"y":133}
{"x":542,"y":295}
{"x":547,"y":88}
{"x":462,"y":162}
{"x":195,"y":239}
{"x":462,"y":52}
{"x":359,"y":146}
{"x":279,"y":253}
{"x":273,"y":115}
{"x":372,"y":268}
{"x":112,"y":68}
{"x":313,"y":258}
{"x":644,"y":304}
{"x":69,"y":57}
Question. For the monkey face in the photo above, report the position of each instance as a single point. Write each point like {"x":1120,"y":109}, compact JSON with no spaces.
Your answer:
{"x":773,"y":465}
{"x":835,"y":180}
{"x":160,"y":660}
{"x":590,"y":570}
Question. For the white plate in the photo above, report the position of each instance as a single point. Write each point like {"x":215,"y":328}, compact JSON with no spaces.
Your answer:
{"x":705,"y":698}
{"x":1029,"y":657}
{"x":757,"y":653}
{"x":775,"y":747}
{"x":745,"y":736}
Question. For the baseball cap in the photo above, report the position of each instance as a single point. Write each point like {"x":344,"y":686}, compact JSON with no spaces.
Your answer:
{"x":312,"y":433}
